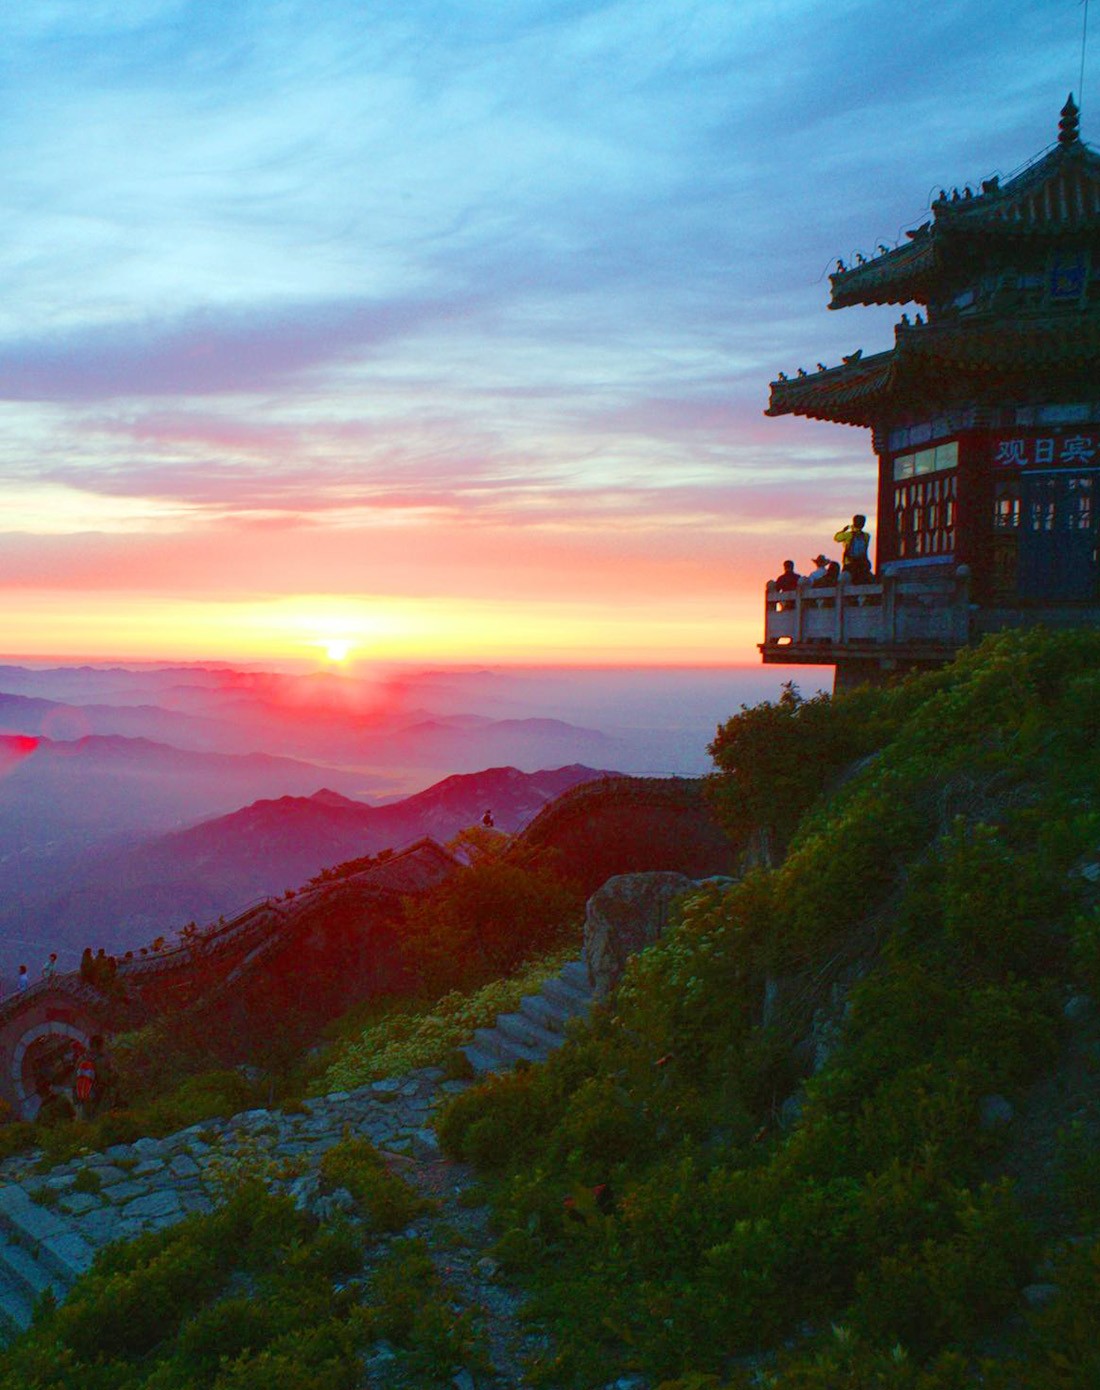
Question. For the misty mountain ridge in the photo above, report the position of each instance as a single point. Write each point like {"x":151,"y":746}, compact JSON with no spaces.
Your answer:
{"x":123,"y":899}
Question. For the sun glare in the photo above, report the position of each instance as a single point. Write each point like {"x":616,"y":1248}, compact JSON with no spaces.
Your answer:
{"x":338,"y":650}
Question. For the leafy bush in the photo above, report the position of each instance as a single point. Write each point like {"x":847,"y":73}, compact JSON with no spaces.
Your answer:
{"x":409,"y":1306}
{"x":157,"y":1313}
{"x":485,"y":921}
{"x":387,"y":1202}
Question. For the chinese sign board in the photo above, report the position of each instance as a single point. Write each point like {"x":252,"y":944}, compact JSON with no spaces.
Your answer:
{"x":1050,"y":449}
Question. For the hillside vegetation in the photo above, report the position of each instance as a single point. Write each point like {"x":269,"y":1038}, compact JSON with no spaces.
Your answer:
{"x":839,"y":1129}
{"x":803,"y":1146}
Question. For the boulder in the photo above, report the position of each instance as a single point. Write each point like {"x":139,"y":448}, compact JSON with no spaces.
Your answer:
{"x":627,"y":914}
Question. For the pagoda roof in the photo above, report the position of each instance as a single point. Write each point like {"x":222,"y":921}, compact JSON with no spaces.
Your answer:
{"x":944,"y":363}
{"x":1056,"y":195}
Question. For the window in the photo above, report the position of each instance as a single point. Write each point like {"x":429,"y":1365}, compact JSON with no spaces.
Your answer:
{"x":1006,"y":506}
{"x":1079,"y":513}
{"x":927,"y":461}
{"x":924,"y":516}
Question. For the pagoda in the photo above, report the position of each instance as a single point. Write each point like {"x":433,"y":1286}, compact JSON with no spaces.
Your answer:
{"x":985,"y":417}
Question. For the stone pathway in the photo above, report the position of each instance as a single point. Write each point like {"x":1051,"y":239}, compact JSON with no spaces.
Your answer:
{"x":52,"y":1223}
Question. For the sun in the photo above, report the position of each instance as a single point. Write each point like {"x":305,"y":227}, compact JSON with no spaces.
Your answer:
{"x":338,"y":649}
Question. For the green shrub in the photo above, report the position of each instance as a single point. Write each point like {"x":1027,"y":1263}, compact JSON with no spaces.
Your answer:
{"x":89,"y":1181}
{"x":486,"y":921}
{"x":497,"y":1124}
{"x":409,"y":1306}
{"x":226,"y":1330}
{"x":383,"y":1199}
{"x":154,"y":1314}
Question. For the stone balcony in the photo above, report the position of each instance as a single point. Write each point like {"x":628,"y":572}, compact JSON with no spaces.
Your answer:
{"x":895,"y":622}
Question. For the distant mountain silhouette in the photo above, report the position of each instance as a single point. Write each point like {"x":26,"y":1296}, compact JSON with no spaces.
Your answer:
{"x":220,"y":865}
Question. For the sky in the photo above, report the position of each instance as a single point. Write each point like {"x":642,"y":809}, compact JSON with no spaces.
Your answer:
{"x":444,"y":329}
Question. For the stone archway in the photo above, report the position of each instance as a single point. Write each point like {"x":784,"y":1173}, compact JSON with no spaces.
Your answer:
{"x":33,"y":1043}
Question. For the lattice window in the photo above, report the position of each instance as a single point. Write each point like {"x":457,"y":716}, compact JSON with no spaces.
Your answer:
{"x":924,"y":515}
{"x":1006,"y":506}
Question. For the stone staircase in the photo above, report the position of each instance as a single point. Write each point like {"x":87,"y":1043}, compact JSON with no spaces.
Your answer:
{"x":39,"y":1249}
{"x":151,"y":1183}
{"x":537,"y":1027}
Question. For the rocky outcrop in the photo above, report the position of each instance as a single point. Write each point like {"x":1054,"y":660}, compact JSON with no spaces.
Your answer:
{"x":629,"y":913}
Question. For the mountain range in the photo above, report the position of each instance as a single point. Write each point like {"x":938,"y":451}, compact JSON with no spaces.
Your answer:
{"x":123,"y":898}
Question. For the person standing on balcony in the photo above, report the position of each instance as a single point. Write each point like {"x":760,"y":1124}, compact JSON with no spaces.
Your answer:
{"x":788,"y":582}
{"x":857,"y":549}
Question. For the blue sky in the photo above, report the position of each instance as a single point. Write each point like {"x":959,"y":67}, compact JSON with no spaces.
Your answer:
{"x":450,"y":326}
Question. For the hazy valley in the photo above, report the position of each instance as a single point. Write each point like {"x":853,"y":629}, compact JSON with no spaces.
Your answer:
{"x":135,"y":799}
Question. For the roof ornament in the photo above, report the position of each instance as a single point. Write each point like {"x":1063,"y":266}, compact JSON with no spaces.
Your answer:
{"x":1069,"y":126}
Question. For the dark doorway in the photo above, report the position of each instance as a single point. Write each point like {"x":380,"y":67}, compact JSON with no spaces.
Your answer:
{"x":1059,"y":535}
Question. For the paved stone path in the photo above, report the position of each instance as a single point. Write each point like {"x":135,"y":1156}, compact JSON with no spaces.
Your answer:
{"x":52,"y":1223}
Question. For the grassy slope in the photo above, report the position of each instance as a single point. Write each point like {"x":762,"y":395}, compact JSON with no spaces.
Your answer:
{"x":924,"y":934}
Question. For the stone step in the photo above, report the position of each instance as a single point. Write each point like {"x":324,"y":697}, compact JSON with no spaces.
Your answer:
{"x":572,"y":1000}
{"x":52,"y":1239}
{"x":483,"y":1063}
{"x":575,"y":973}
{"x":545,"y":1013}
{"x":27,"y":1273}
{"x":520,"y":1029}
{"x":15,"y":1309}
{"x":494,"y":1042}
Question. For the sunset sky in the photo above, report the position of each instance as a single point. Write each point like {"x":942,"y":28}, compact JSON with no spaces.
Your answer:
{"x":444,"y":328}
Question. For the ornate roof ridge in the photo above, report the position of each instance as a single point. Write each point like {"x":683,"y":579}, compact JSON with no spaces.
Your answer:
{"x":1059,"y":188}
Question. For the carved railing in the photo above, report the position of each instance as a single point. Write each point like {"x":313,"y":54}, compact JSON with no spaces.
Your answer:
{"x":893,"y":612}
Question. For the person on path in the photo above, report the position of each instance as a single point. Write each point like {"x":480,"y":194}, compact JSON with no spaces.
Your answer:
{"x":85,"y":1085}
{"x":50,"y":968}
{"x":22,"y":981}
{"x":857,"y":548}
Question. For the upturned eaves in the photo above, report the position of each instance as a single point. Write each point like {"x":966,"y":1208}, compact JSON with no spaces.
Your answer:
{"x":941,"y":362}
{"x":1055,"y":197}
